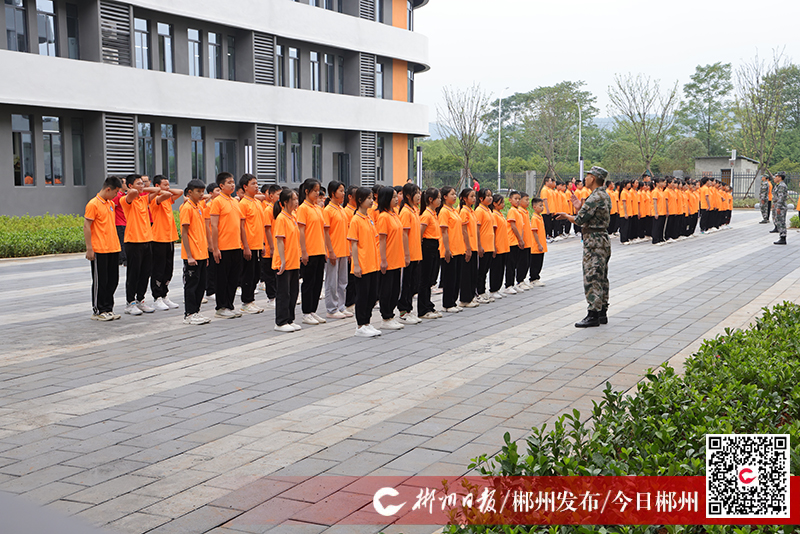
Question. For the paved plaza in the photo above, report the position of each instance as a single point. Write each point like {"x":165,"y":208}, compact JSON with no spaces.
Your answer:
{"x":147,"y":425}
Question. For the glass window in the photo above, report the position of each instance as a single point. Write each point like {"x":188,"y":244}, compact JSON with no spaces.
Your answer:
{"x":195,"y":54}
{"x":46,"y":21}
{"x":329,"y":4}
{"x":330,"y":74}
{"x":379,"y":10}
{"x":297,"y":157}
{"x":410,"y":85}
{"x":316,"y":84}
{"x":379,"y":159}
{"x":53,"y":153}
{"x":198,"y":154}
{"x":231,"y":57}
{"x":141,"y":43}
{"x":73,"y":45}
{"x":146,"y":149}
{"x":410,"y":8}
{"x":16,"y":26}
{"x":341,"y":75}
{"x":225,"y":156}
{"x":316,"y":156}
{"x":281,"y":155}
{"x":316,"y":3}
{"x":294,"y":68}
{"x":165,"y":54}
{"x":169,"y":159}
{"x":215,"y":55}
{"x":78,"y":166}
{"x":378,"y":80}
{"x":22,"y":140}
{"x":280,"y":66}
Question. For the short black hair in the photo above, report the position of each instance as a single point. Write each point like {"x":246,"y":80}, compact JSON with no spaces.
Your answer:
{"x":132,"y":178}
{"x":222,"y":177}
{"x":274,"y":188}
{"x":246,"y":179}
{"x":195,"y":184}
{"x":112,"y":182}
{"x":158,"y":178}
{"x":210,"y":188}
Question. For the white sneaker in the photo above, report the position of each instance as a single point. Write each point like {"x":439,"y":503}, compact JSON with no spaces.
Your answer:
{"x":347,"y":312}
{"x":211,"y":297}
{"x":225,"y":313}
{"x":320,"y":320}
{"x":480,"y":299}
{"x":431,"y":315}
{"x":146,"y":308}
{"x":454,"y":309}
{"x":296,"y":327}
{"x":472,"y":304}
{"x":439,"y":314}
{"x":251,"y":308}
{"x":261,"y":286}
{"x":375,"y":331}
{"x":509,"y":291}
{"x":391,"y":324}
{"x":236,"y":313}
{"x":196,"y":319}
{"x":133,"y":309}
{"x":350,"y":309}
{"x":171,"y":304}
{"x":271,"y":303}
{"x":309,"y":319}
{"x":409,"y":318}
{"x":537,"y":283}
{"x":160,"y":304}
{"x":496,"y":295}
{"x":104,"y":317}
{"x":520,"y":288}
{"x":286,"y":328}
{"x":336,"y":315}
{"x":365,"y":331}
{"x":204,"y":301}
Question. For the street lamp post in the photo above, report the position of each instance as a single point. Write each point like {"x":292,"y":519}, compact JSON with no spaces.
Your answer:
{"x":499,"y":129}
{"x":580,"y":125}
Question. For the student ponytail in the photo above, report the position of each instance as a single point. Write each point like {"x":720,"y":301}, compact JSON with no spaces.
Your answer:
{"x":285,"y":196}
{"x":305,"y":188}
{"x":463,"y":196}
{"x":445,"y":191}
{"x":333,"y":187}
{"x":409,"y":190}
{"x":483,"y":193}
{"x":496,"y":199}
{"x":427,"y":199}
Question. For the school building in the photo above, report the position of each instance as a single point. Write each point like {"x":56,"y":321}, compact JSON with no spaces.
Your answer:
{"x":283,"y":89}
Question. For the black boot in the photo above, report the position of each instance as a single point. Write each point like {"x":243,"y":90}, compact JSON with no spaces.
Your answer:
{"x":774,"y":231}
{"x":591,"y":319}
{"x":603,"y":317}
{"x":781,"y":241}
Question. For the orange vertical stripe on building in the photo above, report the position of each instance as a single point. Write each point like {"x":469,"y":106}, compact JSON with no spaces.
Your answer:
{"x":399,"y":80}
{"x":400,"y":159}
{"x":400,"y":14}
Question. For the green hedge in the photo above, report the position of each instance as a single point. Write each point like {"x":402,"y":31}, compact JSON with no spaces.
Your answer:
{"x":743,"y":382}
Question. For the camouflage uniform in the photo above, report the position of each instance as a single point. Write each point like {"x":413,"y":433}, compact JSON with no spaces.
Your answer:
{"x":780,"y":194}
{"x":594,"y":217}
{"x":763,"y":198}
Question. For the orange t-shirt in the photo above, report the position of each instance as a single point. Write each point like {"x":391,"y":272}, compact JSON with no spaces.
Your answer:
{"x":253,"y":213}
{"x":349,"y":211}
{"x":285,"y":226}
{"x":612,"y":194}
{"x":661,"y":201}
{"x":268,"y":220}
{"x":547,"y":194}
{"x":485,"y":219}
{"x":704,"y":191}
{"x":389,"y":224}
{"x":336,"y":223}
{"x":515,"y":216}
{"x":310,"y":216}
{"x":526,"y":224}
{"x":645,"y":203}
{"x":104,"y":229}
{"x":193,"y":215}
{"x":362,"y":230}
{"x":373,"y":211}
{"x":770,"y":192}
{"x":431,"y":222}
{"x":694,"y":202}
{"x":449,"y":218}
{"x":230,"y":217}
{"x":468,"y":216}
{"x":537,"y":227}
{"x":138,"y":229}
{"x":410,"y":219}
{"x":501,"y":233}
{"x":164,"y":230}
{"x":670,"y":206}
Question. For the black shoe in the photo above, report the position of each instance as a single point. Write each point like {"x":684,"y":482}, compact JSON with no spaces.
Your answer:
{"x":774,"y":231}
{"x":763,"y":222}
{"x":603,"y":315}
{"x":781,"y":241}
{"x":591,"y":319}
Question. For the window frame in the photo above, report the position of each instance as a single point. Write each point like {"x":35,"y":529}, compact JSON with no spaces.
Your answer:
{"x":294,"y":67}
{"x":198,"y":153}
{"x":51,"y":139}
{"x":166,"y":58}
{"x":20,"y":14}
{"x":73,"y":32}
{"x":316,"y":75}
{"x":43,"y":16}
{"x":280,"y":65}
{"x":316,"y":156}
{"x":296,"y":153}
{"x":145,"y":164}
{"x":214,"y":55}
{"x":18,"y":140}
{"x":230,"y":52}
{"x":195,"y":52}
{"x":78,"y":152}
{"x":169,"y":152}
{"x":141,"y":45}
{"x":379,"y":80}
{"x":282,"y":161}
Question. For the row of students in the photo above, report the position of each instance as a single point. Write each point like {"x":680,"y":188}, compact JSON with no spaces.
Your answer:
{"x":557,"y":199}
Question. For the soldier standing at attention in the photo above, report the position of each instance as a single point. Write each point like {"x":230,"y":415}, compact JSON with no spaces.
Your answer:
{"x":779,"y":197}
{"x":593,"y":216}
{"x":763,"y":198}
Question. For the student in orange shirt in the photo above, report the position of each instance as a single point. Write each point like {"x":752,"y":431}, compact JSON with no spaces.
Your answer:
{"x":212,"y":192}
{"x":227,"y":236}
{"x":547,"y":195}
{"x":409,"y":216}
{"x":271,"y":192}
{"x":394,"y":256}
{"x":453,"y":250}
{"x":311,"y":222}
{"x":138,"y":243}
{"x":524,"y":202}
{"x":501,"y":247}
{"x":338,"y":248}
{"x":625,"y":212}
{"x":538,"y":243}
{"x":486,"y":226}
{"x":613,"y":225}
{"x":286,"y":261}
{"x":350,"y":294}
{"x":469,"y":273}
{"x":431,"y":237}
{"x":194,"y":252}
{"x":363,"y":238}
{"x":102,"y":249}
{"x":164,"y":236}
{"x":659,"y":211}
{"x":253,"y":237}
{"x":516,"y":240}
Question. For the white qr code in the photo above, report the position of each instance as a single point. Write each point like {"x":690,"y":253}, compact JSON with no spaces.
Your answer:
{"x":747,"y":475}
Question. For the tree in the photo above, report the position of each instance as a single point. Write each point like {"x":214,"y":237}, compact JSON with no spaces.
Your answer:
{"x":791,"y":96}
{"x":622,"y":157}
{"x":680,"y":155}
{"x":639,"y":107}
{"x":461,"y":122}
{"x":705,"y":112}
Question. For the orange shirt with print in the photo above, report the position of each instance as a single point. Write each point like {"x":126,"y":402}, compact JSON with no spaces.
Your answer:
{"x":164,"y":230}
{"x":431,"y":222}
{"x":484,"y":217}
{"x":230,"y":217}
{"x":501,"y":233}
{"x":362,"y":230}
{"x":449,"y":218}
{"x":410,"y":219}
{"x":468,"y":216}
{"x":389,"y":224}
{"x":310,"y":216}
{"x":104,"y":230}
{"x":336,"y":223}
{"x":137,"y":215}
{"x":537,"y":227}
{"x":194,"y":215}
{"x":253,"y":213}
{"x":285,"y":226}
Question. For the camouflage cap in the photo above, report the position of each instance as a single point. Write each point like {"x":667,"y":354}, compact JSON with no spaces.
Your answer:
{"x":781,"y":174}
{"x":598,"y":172}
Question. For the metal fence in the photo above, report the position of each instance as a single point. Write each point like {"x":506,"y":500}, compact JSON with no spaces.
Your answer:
{"x":508,"y":181}
{"x":745,"y":185}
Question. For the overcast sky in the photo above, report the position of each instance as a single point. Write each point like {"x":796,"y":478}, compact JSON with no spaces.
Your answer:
{"x":524,"y":44}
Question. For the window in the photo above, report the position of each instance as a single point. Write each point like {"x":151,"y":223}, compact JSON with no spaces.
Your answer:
{"x":231,"y":57}
{"x":378,"y":80}
{"x":329,"y":4}
{"x":215,"y":55}
{"x":341,"y":75}
{"x":410,"y":8}
{"x":198,"y":154}
{"x":46,"y":21}
{"x":330,"y":74}
{"x":78,"y":167}
{"x":379,"y":10}
{"x":281,"y":155}
{"x":22,"y":140}
{"x":165,"y":54}
{"x":316,"y":3}
{"x":225,"y":156}
{"x":379,"y":175}
{"x":146,"y":149}
{"x":412,"y":169}
{"x":294,"y":68}
{"x":169,"y":160}
{"x":316,"y":84}
{"x":141,"y":40}
{"x":297,"y":157}
{"x":316,"y":156}
{"x":53,"y":153}
{"x":280,"y":66}
{"x":16,"y":27}
{"x":195,"y":54}
{"x":410,"y":85}
{"x":73,"y":46}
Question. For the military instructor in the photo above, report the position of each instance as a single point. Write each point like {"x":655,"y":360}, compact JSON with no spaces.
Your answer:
{"x":593,"y":216}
